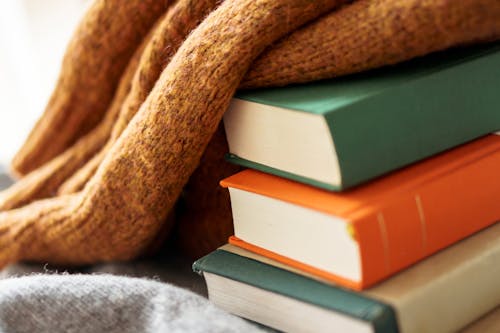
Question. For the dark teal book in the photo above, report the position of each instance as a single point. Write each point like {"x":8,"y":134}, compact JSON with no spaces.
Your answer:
{"x":339,"y":133}
{"x":287,"y":301}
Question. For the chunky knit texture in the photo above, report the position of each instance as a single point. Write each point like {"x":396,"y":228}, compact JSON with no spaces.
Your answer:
{"x":168,"y":105}
{"x":180,"y":20}
{"x":96,"y":57}
{"x":373,"y":33}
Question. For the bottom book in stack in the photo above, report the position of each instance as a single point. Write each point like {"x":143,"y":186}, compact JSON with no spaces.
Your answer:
{"x":443,"y":293}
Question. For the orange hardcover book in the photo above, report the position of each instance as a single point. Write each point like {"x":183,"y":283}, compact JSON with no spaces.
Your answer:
{"x":360,"y":237}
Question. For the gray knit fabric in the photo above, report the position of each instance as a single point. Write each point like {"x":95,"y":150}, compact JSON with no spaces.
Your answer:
{"x":107,"y":303}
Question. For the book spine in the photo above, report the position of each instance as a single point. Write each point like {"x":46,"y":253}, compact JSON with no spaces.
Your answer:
{"x":404,"y":229}
{"x":417,"y":119}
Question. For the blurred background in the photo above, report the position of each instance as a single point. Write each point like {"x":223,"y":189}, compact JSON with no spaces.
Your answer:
{"x":33,"y":37}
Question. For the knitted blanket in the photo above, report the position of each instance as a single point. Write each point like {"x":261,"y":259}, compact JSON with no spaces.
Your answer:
{"x":132,"y":125}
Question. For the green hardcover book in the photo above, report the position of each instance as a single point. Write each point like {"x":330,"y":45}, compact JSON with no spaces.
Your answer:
{"x":339,"y":133}
{"x":287,"y":301}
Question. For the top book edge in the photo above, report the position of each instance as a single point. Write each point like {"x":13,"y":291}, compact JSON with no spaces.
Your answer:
{"x":325,"y":95}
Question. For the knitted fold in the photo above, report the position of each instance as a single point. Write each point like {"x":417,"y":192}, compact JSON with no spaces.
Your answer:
{"x":142,"y":91}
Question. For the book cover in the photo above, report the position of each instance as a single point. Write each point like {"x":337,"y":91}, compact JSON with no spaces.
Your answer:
{"x":387,"y":225}
{"x":349,"y":304}
{"x":375,"y":122}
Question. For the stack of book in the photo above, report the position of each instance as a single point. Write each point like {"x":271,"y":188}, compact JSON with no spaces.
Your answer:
{"x":371,"y":201}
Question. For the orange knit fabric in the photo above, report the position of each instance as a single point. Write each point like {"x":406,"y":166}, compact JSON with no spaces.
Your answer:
{"x":141,"y":137}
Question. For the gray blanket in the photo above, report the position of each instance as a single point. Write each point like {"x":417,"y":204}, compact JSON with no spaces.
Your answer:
{"x":107,"y":303}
